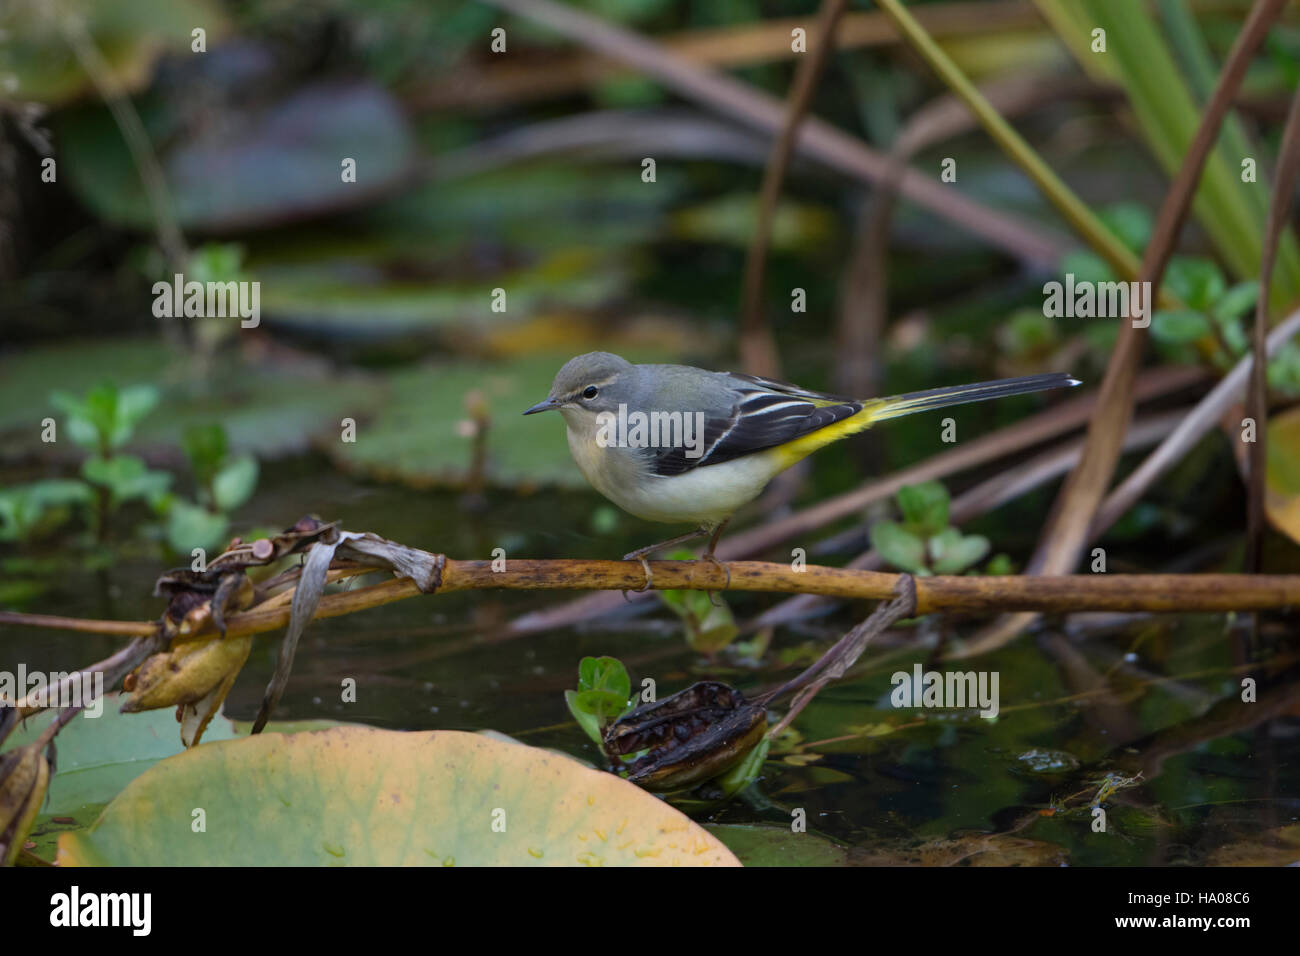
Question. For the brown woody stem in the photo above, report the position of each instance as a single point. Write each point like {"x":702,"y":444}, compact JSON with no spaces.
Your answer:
{"x":1204,"y":593}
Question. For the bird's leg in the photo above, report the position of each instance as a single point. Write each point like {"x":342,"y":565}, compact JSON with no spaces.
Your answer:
{"x":709,"y":556}
{"x":640,"y":553}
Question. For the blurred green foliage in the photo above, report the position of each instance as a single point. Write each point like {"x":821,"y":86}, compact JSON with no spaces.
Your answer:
{"x":101,"y":422}
{"x":923,"y":542}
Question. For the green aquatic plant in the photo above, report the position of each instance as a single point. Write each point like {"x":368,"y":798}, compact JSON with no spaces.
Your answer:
{"x":102,"y":422}
{"x":924,"y":542}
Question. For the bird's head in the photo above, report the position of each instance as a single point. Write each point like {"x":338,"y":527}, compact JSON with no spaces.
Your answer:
{"x":588,"y":385}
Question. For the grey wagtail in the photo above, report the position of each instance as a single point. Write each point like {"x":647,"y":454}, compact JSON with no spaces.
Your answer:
{"x":677,"y":444}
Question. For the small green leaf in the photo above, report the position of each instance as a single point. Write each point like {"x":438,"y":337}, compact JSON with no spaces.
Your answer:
{"x":589,"y":722}
{"x":899,"y":546}
{"x":952,"y":553}
{"x":601,"y":704}
{"x":710,"y":625}
{"x":1198,"y":282}
{"x":206,"y":447}
{"x":78,"y":424}
{"x":604,"y":674}
{"x":712,"y":628}
{"x":1131,"y":222}
{"x":1237,"y":301}
{"x":924,"y":507}
{"x":190,"y":526}
{"x":62,"y":491}
{"x":110,"y":472}
{"x":1086,"y":267}
{"x":43,"y":506}
{"x":19,"y":514}
{"x":133,"y":403}
{"x":1234,"y":337}
{"x":106,"y":417}
{"x":217,"y":262}
{"x":675,"y":600}
{"x":1000,"y":565}
{"x":234,"y":483}
{"x":602,"y":694}
{"x":125,"y":476}
{"x":1179,"y":327}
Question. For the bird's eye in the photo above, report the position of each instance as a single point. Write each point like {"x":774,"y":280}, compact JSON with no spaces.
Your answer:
{"x":590,"y":392}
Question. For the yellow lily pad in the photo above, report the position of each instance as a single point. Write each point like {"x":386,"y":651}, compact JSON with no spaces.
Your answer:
{"x":366,"y":797}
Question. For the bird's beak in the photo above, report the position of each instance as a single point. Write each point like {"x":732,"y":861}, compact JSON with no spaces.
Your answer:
{"x":543,"y":406}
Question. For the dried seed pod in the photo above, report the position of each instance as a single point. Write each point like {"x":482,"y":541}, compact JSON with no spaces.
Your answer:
{"x":194,"y":718}
{"x":692,"y":736}
{"x":186,"y":673}
{"x":24,"y":778}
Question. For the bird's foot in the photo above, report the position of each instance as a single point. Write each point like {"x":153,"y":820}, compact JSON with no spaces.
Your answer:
{"x":640,"y":555}
{"x":711,"y":558}
{"x":649,"y":574}
{"x":645,"y":565}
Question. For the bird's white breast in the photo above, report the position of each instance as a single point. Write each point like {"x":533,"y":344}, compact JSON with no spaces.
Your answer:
{"x":705,"y":495}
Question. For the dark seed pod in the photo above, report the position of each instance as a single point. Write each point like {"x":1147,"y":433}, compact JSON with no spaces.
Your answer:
{"x":692,"y":736}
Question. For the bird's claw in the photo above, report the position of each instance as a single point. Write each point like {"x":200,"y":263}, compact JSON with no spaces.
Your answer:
{"x":725,"y":567}
{"x":649,"y":575}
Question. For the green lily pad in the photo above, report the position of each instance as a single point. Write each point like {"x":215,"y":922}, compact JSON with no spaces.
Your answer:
{"x":281,"y":161}
{"x":778,"y":846}
{"x":426,"y":263}
{"x":421,"y":434}
{"x":97,"y":757}
{"x":370,"y":292}
{"x":366,"y":797}
{"x":268,"y":408}
{"x":597,"y":205}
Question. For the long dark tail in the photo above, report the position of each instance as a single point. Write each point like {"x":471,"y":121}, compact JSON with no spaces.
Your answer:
{"x":900,"y":405}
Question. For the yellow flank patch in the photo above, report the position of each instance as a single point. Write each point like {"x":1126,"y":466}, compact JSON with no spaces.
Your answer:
{"x":802,"y":447}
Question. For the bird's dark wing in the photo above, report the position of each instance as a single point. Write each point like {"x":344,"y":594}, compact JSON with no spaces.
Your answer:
{"x":765,"y":413}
